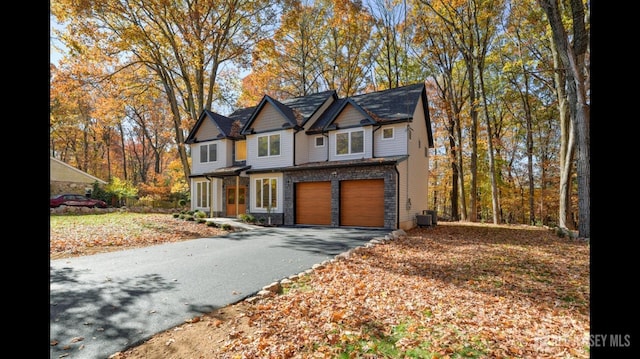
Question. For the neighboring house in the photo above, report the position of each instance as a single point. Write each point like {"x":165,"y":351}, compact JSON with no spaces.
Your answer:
{"x":64,"y":178}
{"x":360,"y":161}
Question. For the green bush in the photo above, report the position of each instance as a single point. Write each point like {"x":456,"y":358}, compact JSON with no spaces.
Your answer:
{"x":176,"y":215}
{"x":199,"y":214}
{"x":189,"y":217}
{"x":225,"y":226}
{"x":200,"y":220}
{"x":211,"y":224}
{"x":247,"y":218}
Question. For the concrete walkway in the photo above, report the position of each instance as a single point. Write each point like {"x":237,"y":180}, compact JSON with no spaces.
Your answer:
{"x":234,"y":223}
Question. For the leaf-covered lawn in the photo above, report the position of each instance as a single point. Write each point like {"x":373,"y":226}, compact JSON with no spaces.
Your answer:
{"x":445,"y":292}
{"x":452,"y":291}
{"x":75,"y":235}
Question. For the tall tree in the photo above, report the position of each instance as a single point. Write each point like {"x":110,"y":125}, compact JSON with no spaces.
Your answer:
{"x":347,"y":53}
{"x":573,"y":50}
{"x":390,"y":14}
{"x":184,"y":43}
{"x":437,"y":52}
{"x":459,"y":20}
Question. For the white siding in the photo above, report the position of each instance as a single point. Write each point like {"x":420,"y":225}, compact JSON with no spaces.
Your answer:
{"x":223,"y":157}
{"x":367,"y":145}
{"x":280,"y":195}
{"x":228,"y":152}
{"x":285,"y":158}
{"x":395,"y":146}
{"x":415,"y":174}
{"x":302,"y":147}
{"x":317,"y":154}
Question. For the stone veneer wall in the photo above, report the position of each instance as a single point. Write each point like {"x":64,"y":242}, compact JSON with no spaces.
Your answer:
{"x":335,"y":175}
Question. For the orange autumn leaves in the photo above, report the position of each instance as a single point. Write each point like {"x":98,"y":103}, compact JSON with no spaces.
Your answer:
{"x":454,"y":290}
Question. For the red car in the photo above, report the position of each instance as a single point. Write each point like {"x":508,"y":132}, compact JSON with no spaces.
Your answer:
{"x":76,"y":200}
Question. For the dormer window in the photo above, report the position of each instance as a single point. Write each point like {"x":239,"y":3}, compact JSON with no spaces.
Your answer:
{"x":208,"y":153}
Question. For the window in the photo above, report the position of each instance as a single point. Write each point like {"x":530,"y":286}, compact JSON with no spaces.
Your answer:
{"x":320,"y":141}
{"x":202,"y":194}
{"x":350,"y":142}
{"x":266,"y":193}
{"x":269,"y":145}
{"x":387,"y":133}
{"x":241,"y":150}
{"x":208,"y":153}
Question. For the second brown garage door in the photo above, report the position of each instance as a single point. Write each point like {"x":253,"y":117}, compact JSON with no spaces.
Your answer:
{"x":313,"y":203}
{"x":362,"y":203}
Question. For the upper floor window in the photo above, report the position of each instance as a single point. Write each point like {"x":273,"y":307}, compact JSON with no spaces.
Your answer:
{"x":387,"y":133}
{"x":350,"y":142}
{"x":241,"y":150}
{"x":269,"y":145}
{"x":320,"y":141}
{"x":208,"y":153}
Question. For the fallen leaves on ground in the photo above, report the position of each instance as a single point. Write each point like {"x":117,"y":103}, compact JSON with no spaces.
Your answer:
{"x":79,"y":235}
{"x":454,"y":290}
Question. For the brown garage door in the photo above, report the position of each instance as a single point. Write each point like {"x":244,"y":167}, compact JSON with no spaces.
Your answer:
{"x":313,"y":203}
{"x":362,"y":203}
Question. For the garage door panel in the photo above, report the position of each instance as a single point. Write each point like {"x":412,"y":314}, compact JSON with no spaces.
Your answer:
{"x":362,"y":203}
{"x":313,"y":203}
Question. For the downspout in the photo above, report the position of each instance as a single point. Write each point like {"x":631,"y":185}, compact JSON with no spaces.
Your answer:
{"x":397,"y":196}
{"x":373,"y":140}
{"x":327,"y":136}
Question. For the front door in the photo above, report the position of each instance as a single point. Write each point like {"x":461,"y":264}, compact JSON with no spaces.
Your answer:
{"x":236,"y":201}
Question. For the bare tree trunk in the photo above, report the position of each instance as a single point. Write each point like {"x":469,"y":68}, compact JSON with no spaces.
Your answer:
{"x":567,"y":145}
{"x":573,"y":55}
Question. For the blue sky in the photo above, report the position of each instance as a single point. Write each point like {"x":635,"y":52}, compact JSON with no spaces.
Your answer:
{"x":54,"y":54}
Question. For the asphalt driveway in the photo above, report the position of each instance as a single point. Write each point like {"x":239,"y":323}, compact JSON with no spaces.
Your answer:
{"x":104,"y":303}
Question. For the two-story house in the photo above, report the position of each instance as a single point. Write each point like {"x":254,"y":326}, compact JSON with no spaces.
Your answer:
{"x":360,"y":161}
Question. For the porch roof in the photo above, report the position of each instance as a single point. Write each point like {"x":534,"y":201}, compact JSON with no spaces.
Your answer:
{"x":222,"y":172}
{"x":378,"y":161}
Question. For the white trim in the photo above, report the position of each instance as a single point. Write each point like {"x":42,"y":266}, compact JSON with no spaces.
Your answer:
{"x":350,"y":131}
{"x":269,"y":155}
{"x":393,"y":133}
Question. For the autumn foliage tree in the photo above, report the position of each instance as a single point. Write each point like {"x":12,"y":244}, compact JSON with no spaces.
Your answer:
{"x":185,"y":44}
{"x":508,"y":86}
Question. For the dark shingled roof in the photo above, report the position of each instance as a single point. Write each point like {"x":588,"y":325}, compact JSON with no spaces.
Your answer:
{"x":295,"y":110}
{"x":306,"y":106}
{"x":228,"y":126}
{"x":387,"y":106}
